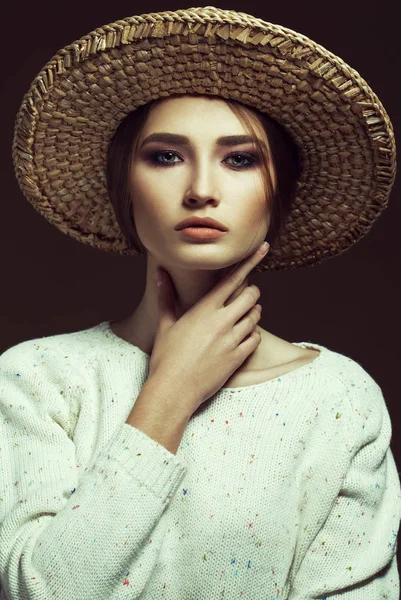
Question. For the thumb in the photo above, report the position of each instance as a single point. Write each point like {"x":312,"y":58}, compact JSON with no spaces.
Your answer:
{"x":165,"y":296}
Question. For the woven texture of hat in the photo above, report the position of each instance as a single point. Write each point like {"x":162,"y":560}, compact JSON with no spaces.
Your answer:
{"x":76,"y":102}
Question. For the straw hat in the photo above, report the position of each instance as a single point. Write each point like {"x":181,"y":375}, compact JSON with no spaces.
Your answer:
{"x":343,"y":133}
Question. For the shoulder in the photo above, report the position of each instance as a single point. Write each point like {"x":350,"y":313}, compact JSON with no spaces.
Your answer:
{"x":47,"y":375}
{"x":349,"y":380}
{"x":80,"y":342}
{"x":350,"y":403}
{"x":347,"y":371}
{"x":57,"y":360}
{"x":338,"y":367}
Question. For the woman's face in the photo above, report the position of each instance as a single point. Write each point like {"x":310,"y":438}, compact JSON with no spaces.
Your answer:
{"x":170,"y":181}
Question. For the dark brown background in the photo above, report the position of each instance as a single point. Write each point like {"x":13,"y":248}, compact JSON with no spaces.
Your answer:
{"x":52,"y":284}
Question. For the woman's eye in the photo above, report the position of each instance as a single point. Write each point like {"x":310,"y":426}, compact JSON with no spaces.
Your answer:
{"x":243,"y":155}
{"x":155,"y":156}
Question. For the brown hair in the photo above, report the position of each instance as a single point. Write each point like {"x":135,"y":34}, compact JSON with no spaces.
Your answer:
{"x":282,"y":154}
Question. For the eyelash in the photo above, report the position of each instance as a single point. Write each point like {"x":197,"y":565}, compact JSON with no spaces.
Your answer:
{"x":154,"y":155}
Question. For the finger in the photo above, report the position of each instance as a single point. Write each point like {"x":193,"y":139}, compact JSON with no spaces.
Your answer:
{"x":229,"y":284}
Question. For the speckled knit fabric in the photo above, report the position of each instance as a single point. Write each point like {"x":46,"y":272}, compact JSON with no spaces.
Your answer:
{"x":287,"y":489}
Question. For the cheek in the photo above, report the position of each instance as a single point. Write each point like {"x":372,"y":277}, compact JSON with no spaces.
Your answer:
{"x":149,"y":206}
{"x":251,"y":196}
{"x":146,"y":184}
{"x":253,"y":207}
{"x":149,"y":214}
{"x":257,"y":217}
{"x":143,"y":191}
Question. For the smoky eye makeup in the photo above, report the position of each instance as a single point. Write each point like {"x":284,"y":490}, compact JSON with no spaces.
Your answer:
{"x":238,"y":160}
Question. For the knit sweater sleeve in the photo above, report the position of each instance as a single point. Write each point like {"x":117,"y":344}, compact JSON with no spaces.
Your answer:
{"x":352,"y":552}
{"x":98,"y":537}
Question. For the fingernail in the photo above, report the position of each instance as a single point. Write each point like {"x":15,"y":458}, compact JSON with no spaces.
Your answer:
{"x":264,"y":247}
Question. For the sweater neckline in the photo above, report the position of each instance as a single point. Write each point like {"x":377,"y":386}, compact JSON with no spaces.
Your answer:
{"x":105,"y":328}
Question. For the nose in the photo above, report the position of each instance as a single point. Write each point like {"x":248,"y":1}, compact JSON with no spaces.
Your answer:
{"x":202,"y":186}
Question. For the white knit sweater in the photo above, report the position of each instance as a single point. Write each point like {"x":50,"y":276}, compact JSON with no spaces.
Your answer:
{"x":287,"y":489}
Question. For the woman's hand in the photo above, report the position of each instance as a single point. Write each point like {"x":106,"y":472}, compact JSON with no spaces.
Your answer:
{"x":197,"y":353}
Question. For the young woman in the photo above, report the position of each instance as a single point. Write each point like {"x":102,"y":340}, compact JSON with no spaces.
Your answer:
{"x":205,"y":178}
{"x":182,"y":451}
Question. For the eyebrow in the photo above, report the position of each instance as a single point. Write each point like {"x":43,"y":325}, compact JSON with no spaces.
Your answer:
{"x":183,"y":140}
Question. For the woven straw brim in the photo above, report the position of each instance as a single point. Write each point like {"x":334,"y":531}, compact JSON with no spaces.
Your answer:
{"x":78,"y":99}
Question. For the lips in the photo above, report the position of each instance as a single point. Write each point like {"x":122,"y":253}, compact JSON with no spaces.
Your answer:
{"x":201,"y":222}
